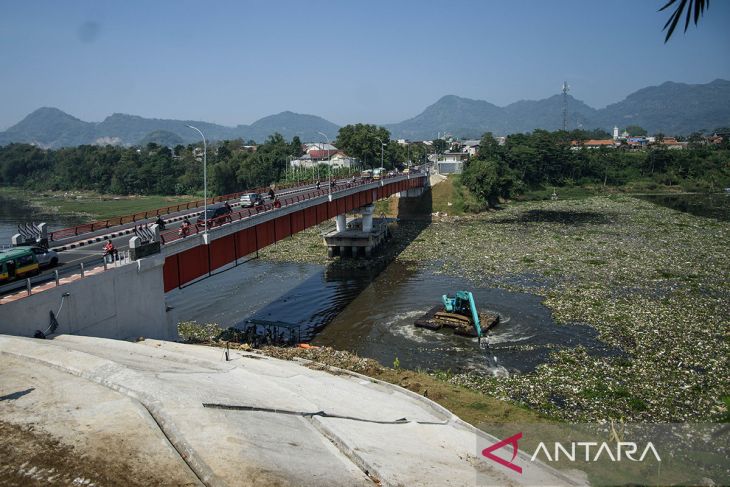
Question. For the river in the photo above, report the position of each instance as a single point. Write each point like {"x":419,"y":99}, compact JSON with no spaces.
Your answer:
{"x":367,"y":312}
{"x":373,"y":315}
{"x":14,"y":212}
{"x":714,"y":205}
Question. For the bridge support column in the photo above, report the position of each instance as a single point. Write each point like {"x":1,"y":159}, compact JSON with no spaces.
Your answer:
{"x":367,"y":218}
{"x":341,"y":222}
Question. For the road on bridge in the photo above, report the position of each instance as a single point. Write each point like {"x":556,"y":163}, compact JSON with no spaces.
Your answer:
{"x":88,"y":249}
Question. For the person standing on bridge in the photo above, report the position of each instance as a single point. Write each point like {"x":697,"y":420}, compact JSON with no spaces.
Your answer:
{"x":271,"y":193}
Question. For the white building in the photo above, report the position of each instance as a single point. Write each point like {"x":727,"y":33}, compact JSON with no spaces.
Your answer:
{"x":451,"y":162}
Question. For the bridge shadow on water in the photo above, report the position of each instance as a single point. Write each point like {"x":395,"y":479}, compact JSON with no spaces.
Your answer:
{"x":316,"y":301}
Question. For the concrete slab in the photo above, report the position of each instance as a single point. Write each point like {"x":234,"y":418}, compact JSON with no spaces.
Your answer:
{"x":58,"y":428}
{"x":256,"y":420}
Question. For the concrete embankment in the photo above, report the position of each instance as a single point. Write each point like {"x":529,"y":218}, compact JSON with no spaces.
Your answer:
{"x":183,"y":413}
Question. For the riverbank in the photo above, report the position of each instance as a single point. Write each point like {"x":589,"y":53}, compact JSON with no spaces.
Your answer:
{"x":89,"y":205}
{"x":472,"y":406}
{"x":652,"y":281}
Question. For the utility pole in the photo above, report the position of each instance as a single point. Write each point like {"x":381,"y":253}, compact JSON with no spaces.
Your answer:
{"x":566,"y":88}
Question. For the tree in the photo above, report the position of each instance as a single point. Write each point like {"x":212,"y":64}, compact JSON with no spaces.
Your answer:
{"x":695,"y":8}
{"x":481,"y":178}
{"x":440,"y":146}
{"x":296,"y":146}
{"x":636,"y":131}
{"x":361,"y":141}
{"x":489,"y":147}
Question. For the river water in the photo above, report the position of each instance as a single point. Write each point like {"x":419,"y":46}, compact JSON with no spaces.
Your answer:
{"x":715,"y":205}
{"x":13,"y":212}
{"x":373,"y":315}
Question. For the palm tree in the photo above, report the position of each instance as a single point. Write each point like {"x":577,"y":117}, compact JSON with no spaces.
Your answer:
{"x":695,"y":9}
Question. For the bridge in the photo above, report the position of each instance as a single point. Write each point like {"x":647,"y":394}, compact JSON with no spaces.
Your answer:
{"x":129,"y":300}
{"x":250,"y":230}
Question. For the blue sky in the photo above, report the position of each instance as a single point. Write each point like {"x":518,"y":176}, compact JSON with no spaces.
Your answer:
{"x":371,"y":61}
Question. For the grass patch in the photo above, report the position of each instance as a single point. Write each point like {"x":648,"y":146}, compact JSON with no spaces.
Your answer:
{"x":95,"y":206}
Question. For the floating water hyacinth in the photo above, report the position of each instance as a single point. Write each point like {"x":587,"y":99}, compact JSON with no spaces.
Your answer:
{"x":652,"y":281}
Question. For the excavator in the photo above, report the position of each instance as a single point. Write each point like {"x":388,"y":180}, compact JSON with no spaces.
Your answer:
{"x":460,"y":313}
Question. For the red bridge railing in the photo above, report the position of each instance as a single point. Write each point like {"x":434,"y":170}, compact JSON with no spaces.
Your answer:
{"x":176,"y":234}
{"x":143,"y":215}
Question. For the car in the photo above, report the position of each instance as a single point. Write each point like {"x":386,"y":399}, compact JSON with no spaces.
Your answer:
{"x":250,"y":200}
{"x":46,"y":257}
{"x":216,"y":215}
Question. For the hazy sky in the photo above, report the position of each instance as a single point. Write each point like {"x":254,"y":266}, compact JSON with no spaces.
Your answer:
{"x":373,"y":61}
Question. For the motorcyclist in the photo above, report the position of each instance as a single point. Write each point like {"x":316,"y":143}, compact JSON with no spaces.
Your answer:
{"x":184,"y":228}
{"x":110,"y":250}
{"x":160,"y":222}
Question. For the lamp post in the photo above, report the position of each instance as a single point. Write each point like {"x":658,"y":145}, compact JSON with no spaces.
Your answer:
{"x":381,"y":152}
{"x":205,"y":183}
{"x":329,"y":163}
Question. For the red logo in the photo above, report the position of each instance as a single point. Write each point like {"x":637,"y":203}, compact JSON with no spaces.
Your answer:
{"x":512,"y":440}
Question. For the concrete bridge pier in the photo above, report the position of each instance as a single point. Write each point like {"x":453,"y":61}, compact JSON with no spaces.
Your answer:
{"x":367,"y":218}
{"x":411,"y":193}
{"x":341,"y":222}
{"x":356,"y":237}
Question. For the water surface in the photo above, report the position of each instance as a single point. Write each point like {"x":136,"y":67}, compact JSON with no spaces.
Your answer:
{"x":714,"y":205}
{"x":372,"y":315}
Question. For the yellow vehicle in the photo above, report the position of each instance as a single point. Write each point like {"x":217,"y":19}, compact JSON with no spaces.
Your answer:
{"x":17,"y":263}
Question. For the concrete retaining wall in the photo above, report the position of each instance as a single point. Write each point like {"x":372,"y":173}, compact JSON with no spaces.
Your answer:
{"x":123,"y":302}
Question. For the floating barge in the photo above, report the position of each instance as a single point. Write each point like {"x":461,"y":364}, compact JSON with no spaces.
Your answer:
{"x":437,"y":318}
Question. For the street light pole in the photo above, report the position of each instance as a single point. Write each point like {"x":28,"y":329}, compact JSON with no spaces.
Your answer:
{"x":329,"y":163}
{"x":205,"y":183}
{"x":381,"y":152}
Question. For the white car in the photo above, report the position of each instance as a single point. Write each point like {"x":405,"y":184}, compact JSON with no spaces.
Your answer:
{"x":46,"y":258}
{"x":249,"y":200}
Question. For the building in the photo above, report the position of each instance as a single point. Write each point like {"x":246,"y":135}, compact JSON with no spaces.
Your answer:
{"x":593,"y":144}
{"x":319,"y":146}
{"x":672,"y":143}
{"x":471,"y":147}
{"x":451,"y":162}
{"x":335,"y":157}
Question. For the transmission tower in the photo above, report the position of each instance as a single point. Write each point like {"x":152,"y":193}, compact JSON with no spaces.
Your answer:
{"x":566,"y":88}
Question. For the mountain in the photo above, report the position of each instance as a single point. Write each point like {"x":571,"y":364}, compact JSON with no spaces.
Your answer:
{"x":528,"y":115}
{"x":161,"y":137}
{"x":289,"y":124}
{"x":131,"y":129}
{"x":463,"y":116}
{"x":52,"y":128}
{"x":670,"y":108}
{"x":49,"y":127}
